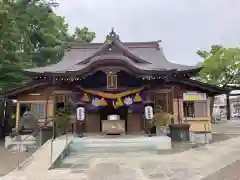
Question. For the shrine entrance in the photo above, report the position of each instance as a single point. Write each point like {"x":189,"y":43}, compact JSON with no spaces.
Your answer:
{"x":120,"y":113}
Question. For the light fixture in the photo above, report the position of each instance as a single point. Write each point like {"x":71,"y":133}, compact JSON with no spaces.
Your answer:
{"x":34,"y":94}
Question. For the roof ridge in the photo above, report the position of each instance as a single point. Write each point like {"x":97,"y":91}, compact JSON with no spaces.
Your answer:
{"x":111,"y":39}
{"x":140,"y":44}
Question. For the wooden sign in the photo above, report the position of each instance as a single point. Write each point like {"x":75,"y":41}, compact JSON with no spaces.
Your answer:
{"x":193,"y":96}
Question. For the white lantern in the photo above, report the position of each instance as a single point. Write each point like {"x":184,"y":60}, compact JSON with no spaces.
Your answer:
{"x":80,"y":113}
{"x":149,"y":112}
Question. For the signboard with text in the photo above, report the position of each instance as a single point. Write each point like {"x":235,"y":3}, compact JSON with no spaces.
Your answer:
{"x":194,"y":96}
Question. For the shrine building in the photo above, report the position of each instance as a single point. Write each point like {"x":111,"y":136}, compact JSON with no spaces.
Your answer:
{"x":117,"y":78}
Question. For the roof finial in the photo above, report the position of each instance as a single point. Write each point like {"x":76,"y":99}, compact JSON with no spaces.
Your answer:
{"x":112,"y":36}
{"x":112,"y":33}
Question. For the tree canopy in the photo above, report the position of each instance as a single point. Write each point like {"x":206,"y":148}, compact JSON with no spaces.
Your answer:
{"x":32,"y":35}
{"x":221,"y":66}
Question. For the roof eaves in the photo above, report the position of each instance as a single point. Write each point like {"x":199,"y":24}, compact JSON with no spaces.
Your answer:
{"x":32,"y":84}
{"x":212,"y":88}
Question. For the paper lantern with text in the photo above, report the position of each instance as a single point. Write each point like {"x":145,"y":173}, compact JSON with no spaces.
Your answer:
{"x":80,"y":113}
{"x":148,"y":112}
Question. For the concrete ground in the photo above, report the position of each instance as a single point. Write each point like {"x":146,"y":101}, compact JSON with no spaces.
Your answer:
{"x":193,"y":164}
{"x":8,"y":160}
{"x":230,"y":172}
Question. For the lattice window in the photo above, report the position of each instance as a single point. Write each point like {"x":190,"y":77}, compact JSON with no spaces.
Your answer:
{"x":63,"y":102}
{"x":39,"y":110}
{"x":195,"y":109}
{"x":111,"y":81}
{"x":188,"y":108}
{"x":161,"y":102}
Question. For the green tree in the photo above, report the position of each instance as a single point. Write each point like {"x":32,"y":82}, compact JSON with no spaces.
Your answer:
{"x":221,"y":66}
{"x":31,"y":35}
{"x":83,"y":35}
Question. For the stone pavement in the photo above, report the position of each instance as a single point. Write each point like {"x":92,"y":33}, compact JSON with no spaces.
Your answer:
{"x":193,"y":164}
{"x":227,"y":127}
{"x":230,"y":172}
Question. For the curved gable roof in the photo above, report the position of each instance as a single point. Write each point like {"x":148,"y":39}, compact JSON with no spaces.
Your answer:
{"x":114,"y":41}
{"x":143,"y":55}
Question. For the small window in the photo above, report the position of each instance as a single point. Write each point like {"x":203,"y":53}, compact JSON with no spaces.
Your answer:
{"x":111,"y":81}
{"x":39,"y":110}
{"x":188,"y":108}
{"x":195,"y":109}
{"x":161,"y":102}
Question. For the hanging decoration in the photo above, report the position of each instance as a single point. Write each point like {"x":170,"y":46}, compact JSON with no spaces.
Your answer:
{"x":128,"y":101}
{"x":118,"y":103}
{"x":137,"y":98}
{"x":113,"y":95}
{"x":95,"y":101}
{"x":85,"y":98}
{"x":102,"y":102}
{"x":109,"y":45}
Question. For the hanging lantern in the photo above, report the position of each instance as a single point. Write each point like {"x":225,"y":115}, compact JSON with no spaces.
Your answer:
{"x":148,"y":112}
{"x":137,"y":98}
{"x":80,"y":113}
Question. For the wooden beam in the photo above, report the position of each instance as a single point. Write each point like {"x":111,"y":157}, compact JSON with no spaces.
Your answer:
{"x":17,"y":116}
{"x":228,"y":108}
{"x":238,"y":94}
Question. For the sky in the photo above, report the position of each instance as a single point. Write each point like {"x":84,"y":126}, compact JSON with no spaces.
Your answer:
{"x":184,"y":26}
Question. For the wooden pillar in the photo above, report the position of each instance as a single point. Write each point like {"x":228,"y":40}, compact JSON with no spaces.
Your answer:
{"x":54,"y":106}
{"x":17,"y":116}
{"x":209,"y":111}
{"x":175,"y":110}
{"x":178,"y":110}
{"x":211,"y":104}
{"x":209,"y":114}
{"x":228,"y":108}
{"x":181,"y":115}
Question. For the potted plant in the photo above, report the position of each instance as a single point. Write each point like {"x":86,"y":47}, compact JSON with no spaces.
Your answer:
{"x":162,"y":121}
{"x":61,"y":120}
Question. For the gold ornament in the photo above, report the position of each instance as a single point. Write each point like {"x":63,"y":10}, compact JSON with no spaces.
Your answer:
{"x":85,"y":98}
{"x":137,"y":98}
{"x":102,"y":102}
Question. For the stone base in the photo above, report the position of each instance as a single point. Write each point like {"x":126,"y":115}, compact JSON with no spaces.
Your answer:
{"x":200,"y":137}
{"x":19,"y":143}
{"x":162,"y":130}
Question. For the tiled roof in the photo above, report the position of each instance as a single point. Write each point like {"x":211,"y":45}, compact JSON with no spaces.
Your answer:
{"x":146,"y":56}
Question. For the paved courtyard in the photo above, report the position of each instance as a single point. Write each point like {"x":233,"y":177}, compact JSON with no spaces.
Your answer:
{"x":218,"y":161}
{"x":9,"y":160}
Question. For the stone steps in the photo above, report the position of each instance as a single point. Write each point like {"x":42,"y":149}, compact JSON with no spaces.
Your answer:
{"x":101,"y":144}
